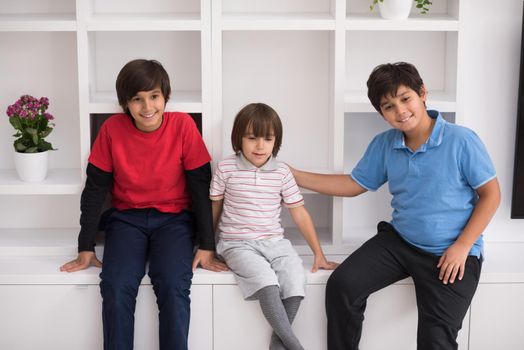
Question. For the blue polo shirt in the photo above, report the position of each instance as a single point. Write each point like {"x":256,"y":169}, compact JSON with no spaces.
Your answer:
{"x":433,"y":188}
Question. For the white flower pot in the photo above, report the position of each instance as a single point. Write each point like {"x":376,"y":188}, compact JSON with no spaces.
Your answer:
{"x":395,"y":9}
{"x":31,"y":167}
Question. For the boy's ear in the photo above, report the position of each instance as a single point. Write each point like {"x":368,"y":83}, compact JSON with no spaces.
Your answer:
{"x":423,"y":93}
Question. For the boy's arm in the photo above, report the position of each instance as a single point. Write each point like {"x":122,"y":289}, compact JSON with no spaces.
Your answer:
{"x":330,"y":184}
{"x":304,"y":223}
{"x":198,"y":181}
{"x":452,"y":262}
{"x":98,"y":184}
{"x":216,"y":208}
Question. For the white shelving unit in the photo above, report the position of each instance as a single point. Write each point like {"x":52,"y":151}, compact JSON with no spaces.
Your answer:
{"x":309,"y":59}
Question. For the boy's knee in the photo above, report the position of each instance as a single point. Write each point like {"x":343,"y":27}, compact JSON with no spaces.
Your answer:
{"x":337,"y":284}
{"x":119,"y":290}
{"x":172,"y":288}
{"x":342,"y":286}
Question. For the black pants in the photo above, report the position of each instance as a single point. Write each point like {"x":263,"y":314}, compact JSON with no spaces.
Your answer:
{"x":383,"y":260}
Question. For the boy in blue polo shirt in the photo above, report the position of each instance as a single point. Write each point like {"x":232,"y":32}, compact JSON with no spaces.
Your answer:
{"x":445,"y":192}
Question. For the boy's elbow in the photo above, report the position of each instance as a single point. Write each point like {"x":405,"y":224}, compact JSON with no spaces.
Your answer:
{"x":498,"y":195}
{"x":491,"y":191}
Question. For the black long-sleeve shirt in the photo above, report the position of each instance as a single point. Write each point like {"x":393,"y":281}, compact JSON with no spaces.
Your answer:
{"x":99,"y":183}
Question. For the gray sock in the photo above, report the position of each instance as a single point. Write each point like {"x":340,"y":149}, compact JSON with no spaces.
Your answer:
{"x":291,"y":305}
{"x":275,"y":313}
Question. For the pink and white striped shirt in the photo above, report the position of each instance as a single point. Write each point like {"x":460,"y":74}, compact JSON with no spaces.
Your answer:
{"x":253,"y":197}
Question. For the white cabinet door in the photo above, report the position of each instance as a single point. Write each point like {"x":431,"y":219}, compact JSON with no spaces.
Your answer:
{"x":240,"y":325}
{"x":65,"y":317}
{"x":50,"y":317}
{"x":391,"y":320}
{"x":200,"y":329}
{"x":496,"y":317}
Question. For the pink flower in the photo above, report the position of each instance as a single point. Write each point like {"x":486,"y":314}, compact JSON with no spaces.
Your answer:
{"x":28,"y":107}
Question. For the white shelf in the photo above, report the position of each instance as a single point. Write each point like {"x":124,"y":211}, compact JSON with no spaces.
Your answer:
{"x":413,"y":23}
{"x":42,"y":270}
{"x":58,"y":181}
{"x":36,"y":242}
{"x":504,"y":264}
{"x":144,"y":22}
{"x":186,"y":101}
{"x":33,"y":256}
{"x":358,"y":102}
{"x":302,"y":21}
{"x":37,"y":22}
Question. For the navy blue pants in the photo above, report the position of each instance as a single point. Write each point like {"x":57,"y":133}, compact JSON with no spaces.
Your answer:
{"x":134,"y":237}
{"x":383,"y":260}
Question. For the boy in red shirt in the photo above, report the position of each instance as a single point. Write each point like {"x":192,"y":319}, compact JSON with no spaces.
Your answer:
{"x":156,"y":166}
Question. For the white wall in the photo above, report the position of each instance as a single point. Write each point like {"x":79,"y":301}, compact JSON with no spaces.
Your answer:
{"x":492,"y":37}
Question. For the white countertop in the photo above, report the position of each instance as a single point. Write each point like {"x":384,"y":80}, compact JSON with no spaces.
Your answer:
{"x":504,"y":263}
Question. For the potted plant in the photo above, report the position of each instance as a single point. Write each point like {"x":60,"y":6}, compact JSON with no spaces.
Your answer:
{"x":32,"y":124}
{"x":399,"y":9}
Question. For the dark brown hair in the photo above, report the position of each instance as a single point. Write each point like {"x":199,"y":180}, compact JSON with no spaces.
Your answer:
{"x":141,"y":75}
{"x":261,"y":120}
{"x":385,"y":80}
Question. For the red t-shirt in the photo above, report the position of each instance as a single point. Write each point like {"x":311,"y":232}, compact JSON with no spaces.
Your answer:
{"x":148,"y":167}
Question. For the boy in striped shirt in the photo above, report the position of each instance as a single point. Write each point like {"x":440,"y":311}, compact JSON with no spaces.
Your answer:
{"x":247,"y":193}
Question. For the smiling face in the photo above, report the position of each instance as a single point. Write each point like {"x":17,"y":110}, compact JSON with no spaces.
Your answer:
{"x":257,"y":150}
{"x":147,"y":108}
{"x":406,"y":111}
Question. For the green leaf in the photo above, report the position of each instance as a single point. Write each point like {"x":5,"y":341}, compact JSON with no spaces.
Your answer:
{"x":36,"y":139}
{"x":32,"y":150}
{"x":46,"y":132}
{"x":45,"y":146}
{"x":31,"y":131}
{"x":42,"y":124}
{"x":15,"y":122}
{"x":19,"y":146}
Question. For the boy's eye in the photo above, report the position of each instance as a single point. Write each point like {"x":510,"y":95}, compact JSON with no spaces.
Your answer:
{"x":154,"y":97}
{"x":405,"y":99}
{"x":386,"y":107}
{"x":270,"y":138}
{"x":135,"y":99}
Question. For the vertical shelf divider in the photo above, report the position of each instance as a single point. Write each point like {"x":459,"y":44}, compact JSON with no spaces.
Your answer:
{"x":207,"y":72}
{"x":215,"y":119}
{"x":83,"y":9}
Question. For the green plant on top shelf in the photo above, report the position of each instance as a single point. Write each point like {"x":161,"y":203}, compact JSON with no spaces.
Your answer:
{"x":422,"y":5}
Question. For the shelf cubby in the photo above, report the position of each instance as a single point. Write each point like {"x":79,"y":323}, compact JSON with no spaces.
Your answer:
{"x":274,"y":72}
{"x":36,"y":16}
{"x":183,"y":66}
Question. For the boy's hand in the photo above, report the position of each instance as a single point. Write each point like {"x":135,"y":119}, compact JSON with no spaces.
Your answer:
{"x":207,"y":260}
{"x":320,"y":262}
{"x":82,"y":262}
{"x":452,"y":262}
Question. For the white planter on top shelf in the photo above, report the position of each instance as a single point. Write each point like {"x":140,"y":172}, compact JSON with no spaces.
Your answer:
{"x":395,"y":9}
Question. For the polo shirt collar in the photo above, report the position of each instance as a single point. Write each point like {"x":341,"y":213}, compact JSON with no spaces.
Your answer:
{"x":434,"y":140}
{"x":245,"y":164}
